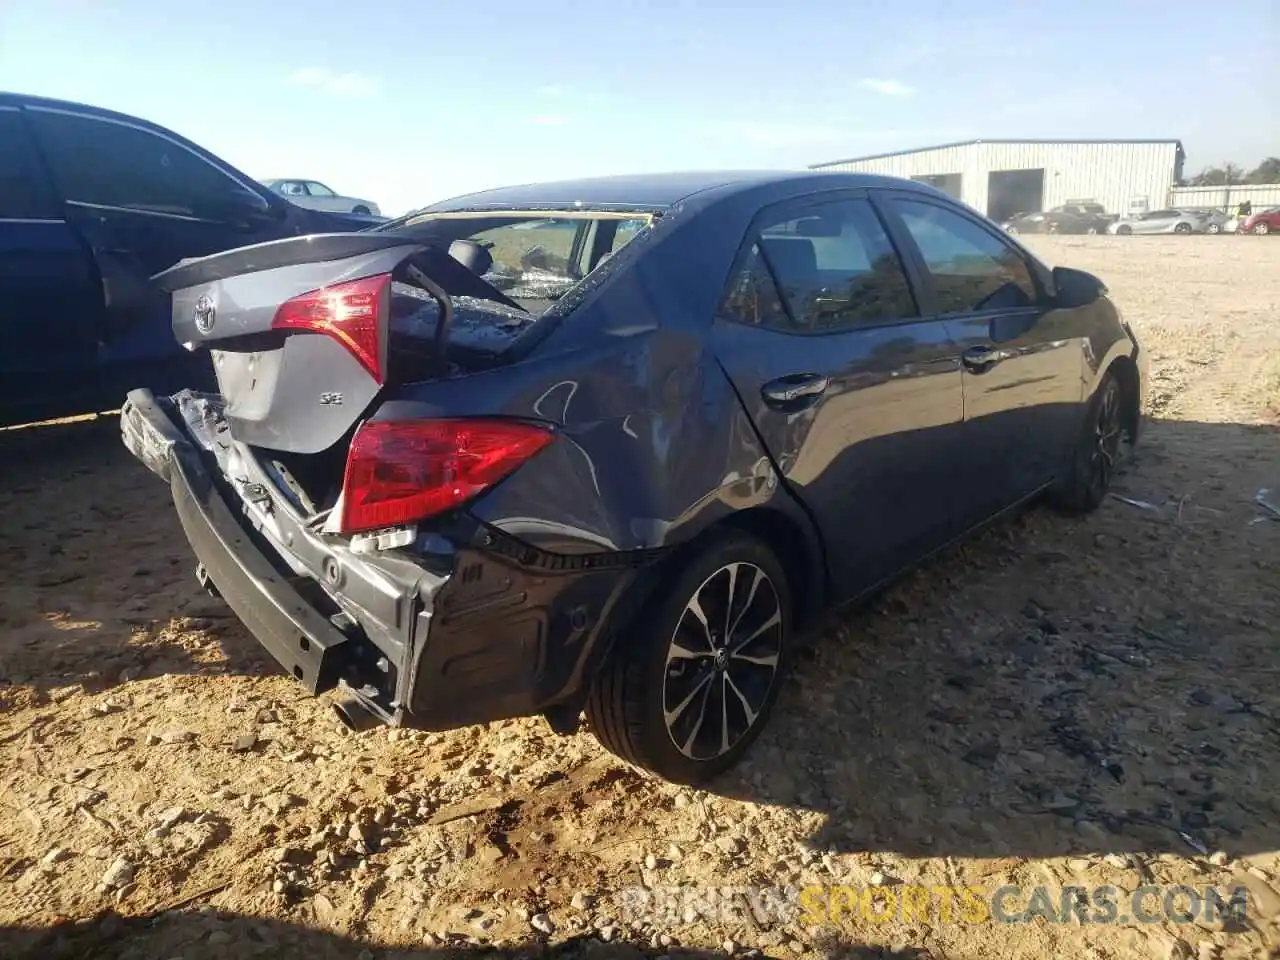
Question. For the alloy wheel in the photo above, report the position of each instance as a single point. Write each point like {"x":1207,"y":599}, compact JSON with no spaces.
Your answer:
{"x":1106,"y":441}
{"x":1262,"y":229}
{"x":722,"y":661}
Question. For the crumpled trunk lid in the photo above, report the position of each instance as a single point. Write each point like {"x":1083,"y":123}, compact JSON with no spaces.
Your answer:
{"x":298,"y":329}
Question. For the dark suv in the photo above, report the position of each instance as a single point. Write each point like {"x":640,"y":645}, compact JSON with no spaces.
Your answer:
{"x":92,"y":204}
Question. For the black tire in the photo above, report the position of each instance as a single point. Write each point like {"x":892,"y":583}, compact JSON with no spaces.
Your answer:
{"x":1124,"y":231}
{"x":1182,"y":228}
{"x":1088,"y":476}
{"x":1261,"y":229}
{"x":646,"y":681}
{"x":360,"y":209}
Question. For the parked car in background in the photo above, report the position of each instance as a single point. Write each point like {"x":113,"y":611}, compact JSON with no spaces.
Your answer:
{"x":1215,"y":221}
{"x":1068,"y":218}
{"x":92,"y":204}
{"x":1261,"y":223}
{"x":622,"y":442}
{"x":316,"y":196}
{"x":1159,"y":221}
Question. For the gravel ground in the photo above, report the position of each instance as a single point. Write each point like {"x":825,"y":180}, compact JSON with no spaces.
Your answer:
{"x":1057,"y":702}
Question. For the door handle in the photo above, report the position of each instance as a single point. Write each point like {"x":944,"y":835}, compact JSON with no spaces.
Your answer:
{"x":793,"y":388}
{"x":981,"y":359}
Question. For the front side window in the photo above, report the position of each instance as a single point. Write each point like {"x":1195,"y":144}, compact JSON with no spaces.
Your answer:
{"x":101,"y":162}
{"x":823,"y":268}
{"x":970,"y":267}
{"x":319,"y":189}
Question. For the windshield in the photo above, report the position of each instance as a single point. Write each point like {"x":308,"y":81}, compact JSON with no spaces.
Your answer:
{"x":532,"y":257}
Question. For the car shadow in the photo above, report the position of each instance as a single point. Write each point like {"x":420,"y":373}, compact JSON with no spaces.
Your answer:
{"x":1058,"y":686}
{"x":209,"y":935}
{"x":96,"y":578}
{"x":1052,"y":686}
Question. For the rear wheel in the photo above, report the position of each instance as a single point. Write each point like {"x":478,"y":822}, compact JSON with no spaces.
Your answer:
{"x":1214,"y":228}
{"x":361,"y":209}
{"x":1124,"y":231}
{"x":1094,"y":458}
{"x":691,"y":686}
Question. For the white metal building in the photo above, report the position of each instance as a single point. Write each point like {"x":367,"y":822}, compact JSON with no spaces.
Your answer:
{"x":1004,"y":177}
{"x":1227,"y":198}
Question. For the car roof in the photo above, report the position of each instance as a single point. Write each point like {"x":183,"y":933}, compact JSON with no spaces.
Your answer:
{"x":8,"y":99}
{"x":650,"y":191}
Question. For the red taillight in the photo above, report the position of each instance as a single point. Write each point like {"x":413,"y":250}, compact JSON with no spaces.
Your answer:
{"x":351,"y":313}
{"x":401,"y":471}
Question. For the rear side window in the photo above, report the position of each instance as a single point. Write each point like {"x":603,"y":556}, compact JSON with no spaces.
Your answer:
{"x":23,"y":193}
{"x":753,"y":297}
{"x":971,"y":268}
{"x":821,"y":268}
{"x":95,"y":161}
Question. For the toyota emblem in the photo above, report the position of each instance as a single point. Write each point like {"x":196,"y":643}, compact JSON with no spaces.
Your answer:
{"x":203,"y":314}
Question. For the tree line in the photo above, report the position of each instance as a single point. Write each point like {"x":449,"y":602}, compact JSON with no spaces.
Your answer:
{"x":1229,"y":174}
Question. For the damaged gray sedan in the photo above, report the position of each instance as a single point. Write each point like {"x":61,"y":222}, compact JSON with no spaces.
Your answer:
{"x":606,"y":447}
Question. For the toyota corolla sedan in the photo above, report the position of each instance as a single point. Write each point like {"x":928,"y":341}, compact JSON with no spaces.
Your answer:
{"x":606,"y":447}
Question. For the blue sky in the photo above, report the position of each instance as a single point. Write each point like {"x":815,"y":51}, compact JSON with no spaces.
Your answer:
{"x":408,"y":102}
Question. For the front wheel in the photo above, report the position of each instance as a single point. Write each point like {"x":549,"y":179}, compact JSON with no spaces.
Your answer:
{"x":1182,"y":228}
{"x":687,"y":690}
{"x":1261,"y":229}
{"x":1214,"y":228}
{"x":361,"y":209}
{"x":1124,"y":231}
{"x":1094,"y":457}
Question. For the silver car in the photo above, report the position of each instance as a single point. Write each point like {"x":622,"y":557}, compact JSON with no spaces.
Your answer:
{"x":313,"y":194}
{"x":1160,"y":221}
{"x":1215,"y":221}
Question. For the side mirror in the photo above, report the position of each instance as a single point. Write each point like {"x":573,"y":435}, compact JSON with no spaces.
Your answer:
{"x":246,"y":209}
{"x":1075,"y":288}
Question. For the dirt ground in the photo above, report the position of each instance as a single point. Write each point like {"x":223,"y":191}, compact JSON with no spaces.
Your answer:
{"x":1058,"y":702}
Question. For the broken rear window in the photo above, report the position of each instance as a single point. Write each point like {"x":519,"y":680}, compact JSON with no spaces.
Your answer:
{"x":534,"y":258}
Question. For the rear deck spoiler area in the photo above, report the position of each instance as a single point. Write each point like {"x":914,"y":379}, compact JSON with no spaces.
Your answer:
{"x":456,"y":279}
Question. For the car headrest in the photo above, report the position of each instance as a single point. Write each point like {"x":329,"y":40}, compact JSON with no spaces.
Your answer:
{"x":472,"y":256}
{"x":791,"y":257}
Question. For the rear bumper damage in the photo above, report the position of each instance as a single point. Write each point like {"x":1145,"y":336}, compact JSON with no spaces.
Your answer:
{"x":456,"y":629}
{"x":305,"y":642}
